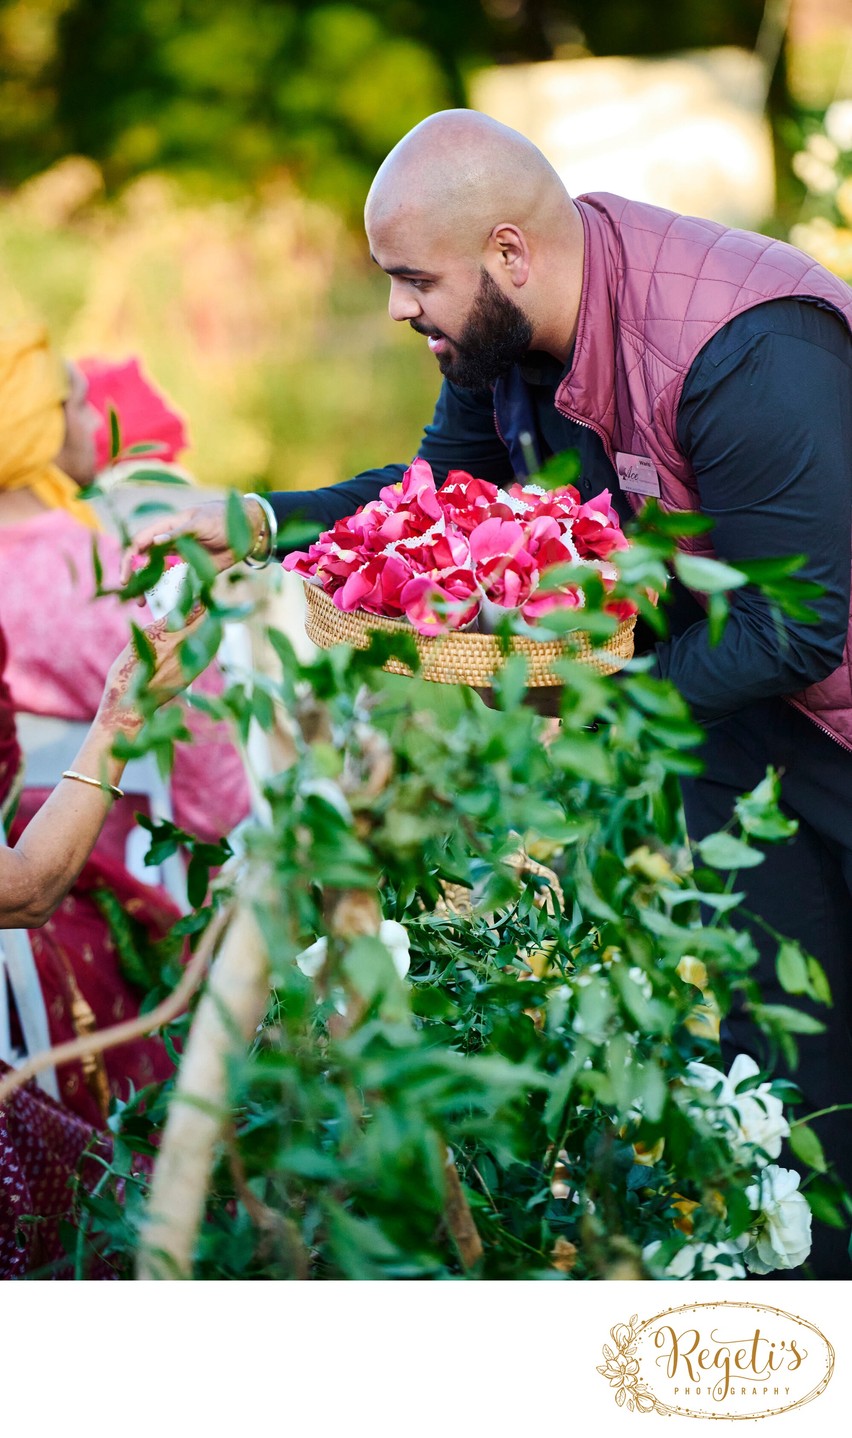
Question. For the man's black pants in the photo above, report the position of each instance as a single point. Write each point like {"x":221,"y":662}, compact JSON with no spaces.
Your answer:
{"x":803,"y":889}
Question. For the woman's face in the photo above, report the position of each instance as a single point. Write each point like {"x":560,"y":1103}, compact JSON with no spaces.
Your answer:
{"x":77,"y":455}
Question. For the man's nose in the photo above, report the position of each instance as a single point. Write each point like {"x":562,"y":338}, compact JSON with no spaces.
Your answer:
{"x":403,"y":303}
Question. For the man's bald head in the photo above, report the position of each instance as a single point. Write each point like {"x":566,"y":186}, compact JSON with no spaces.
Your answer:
{"x":482,"y":243}
{"x":461,"y":173}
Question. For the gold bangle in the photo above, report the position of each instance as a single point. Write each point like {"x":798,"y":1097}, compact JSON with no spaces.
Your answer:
{"x":105,"y":788}
{"x":262,"y":551}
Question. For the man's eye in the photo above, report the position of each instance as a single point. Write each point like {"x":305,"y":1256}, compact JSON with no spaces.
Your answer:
{"x":420,"y":284}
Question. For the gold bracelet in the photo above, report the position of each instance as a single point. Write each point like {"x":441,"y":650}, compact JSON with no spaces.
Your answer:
{"x":262,"y":551}
{"x":105,"y":788}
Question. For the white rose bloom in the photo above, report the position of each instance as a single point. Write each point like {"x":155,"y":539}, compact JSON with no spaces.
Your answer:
{"x":396,"y":941}
{"x":781,"y":1237}
{"x":392,"y":935}
{"x":707,"y":1080}
{"x":760,"y":1114}
{"x":701,"y":1260}
{"x":311,"y":960}
{"x":753,"y":1120}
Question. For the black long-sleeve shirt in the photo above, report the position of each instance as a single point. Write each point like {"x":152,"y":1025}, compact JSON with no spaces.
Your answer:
{"x":765,"y":420}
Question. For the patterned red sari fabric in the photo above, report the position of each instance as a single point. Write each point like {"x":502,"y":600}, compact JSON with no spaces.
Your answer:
{"x":75,"y":954}
{"x":41,"y":1148}
{"x":42,"y":1144}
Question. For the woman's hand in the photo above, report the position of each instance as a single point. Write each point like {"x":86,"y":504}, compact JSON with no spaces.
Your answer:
{"x":38,"y":872}
{"x":116,"y":711}
{"x":206,"y":523}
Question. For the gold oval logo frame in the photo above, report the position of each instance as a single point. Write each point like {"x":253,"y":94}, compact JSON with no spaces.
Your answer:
{"x":716,"y":1367}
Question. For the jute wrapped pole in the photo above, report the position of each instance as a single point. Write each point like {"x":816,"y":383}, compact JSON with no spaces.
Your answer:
{"x":227,"y":1017}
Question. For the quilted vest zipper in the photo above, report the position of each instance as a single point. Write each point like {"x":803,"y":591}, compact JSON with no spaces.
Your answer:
{"x":809,"y":714}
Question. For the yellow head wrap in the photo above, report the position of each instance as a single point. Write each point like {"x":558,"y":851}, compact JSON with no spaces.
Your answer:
{"x":33,"y":388}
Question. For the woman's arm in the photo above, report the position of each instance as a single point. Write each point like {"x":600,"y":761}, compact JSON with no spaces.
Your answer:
{"x":36,"y":875}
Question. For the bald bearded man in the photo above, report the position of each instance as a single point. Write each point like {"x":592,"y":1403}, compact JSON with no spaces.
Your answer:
{"x":723,"y":361}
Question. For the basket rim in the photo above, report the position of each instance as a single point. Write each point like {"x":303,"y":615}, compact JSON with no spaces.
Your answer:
{"x":464,"y":656}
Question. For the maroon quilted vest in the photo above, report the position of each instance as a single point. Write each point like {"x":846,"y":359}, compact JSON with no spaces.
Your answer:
{"x":656,"y":287}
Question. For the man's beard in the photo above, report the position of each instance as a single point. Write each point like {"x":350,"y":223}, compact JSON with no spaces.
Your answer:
{"x":496,"y":335}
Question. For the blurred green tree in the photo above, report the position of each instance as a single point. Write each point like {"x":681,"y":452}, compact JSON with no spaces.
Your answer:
{"x":224,"y":94}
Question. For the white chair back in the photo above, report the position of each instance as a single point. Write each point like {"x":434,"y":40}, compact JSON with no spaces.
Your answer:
{"x":19,"y":977}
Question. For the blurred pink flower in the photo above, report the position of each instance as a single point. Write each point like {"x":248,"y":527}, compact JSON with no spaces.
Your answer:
{"x":502,"y":562}
{"x":437,"y":555}
{"x":597,"y":531}
{"x":411,"y":505}
{"x":447,"y":550}
{"x":561,"y":503}
{"x":375,"y":586}
{"x":544,"y":602}
{"x":144,"y":414}
{"x":435,"y":603}
{"x":467,"y":501}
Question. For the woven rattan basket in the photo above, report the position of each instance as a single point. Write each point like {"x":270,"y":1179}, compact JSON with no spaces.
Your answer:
{"x":462,"y":657}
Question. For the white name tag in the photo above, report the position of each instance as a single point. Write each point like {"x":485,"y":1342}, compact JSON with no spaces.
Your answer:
{"x":637,"y":474}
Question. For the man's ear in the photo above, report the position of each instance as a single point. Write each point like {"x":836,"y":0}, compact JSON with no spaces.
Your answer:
{"x":508,"y":244}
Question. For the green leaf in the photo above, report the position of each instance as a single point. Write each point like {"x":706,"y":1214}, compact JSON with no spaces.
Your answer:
{"x":759,"y":812}
{"x":145,"y":446}
{"x":511,"y":683}
{"x":97,"y":567}
{"x":197,"y":881}
{"x":297,"y":534}
{"x":114,"y":433}
{"x":157,"y":476}
{"x":723,"y":851}
{"x":807,"y":1147}
{"x":370,"y":970}
{"x":309,"y":1163}
{"x":144,"y":649}
{"x":708,"y":576}
{"x":673,"y":523}
{"x":200,"y":647}
{"x":791,"y":1021}
{"x":240,"y":537}
{"x":583,"y":755}
{"x":656,"y":696}
{"x":824,"y":1210}
{"x":763,"y":571}
{"x":652,"y":1091}
{"x":150,"y":507}
{"x":196,"y":557}
{"x":791,"y":966}
{"x":717,"y":617}
{"x":820,"y":987}
{"x":561,"y":469}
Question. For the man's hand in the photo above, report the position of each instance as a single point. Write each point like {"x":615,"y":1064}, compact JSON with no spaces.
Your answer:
{"x":206,"y":523}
